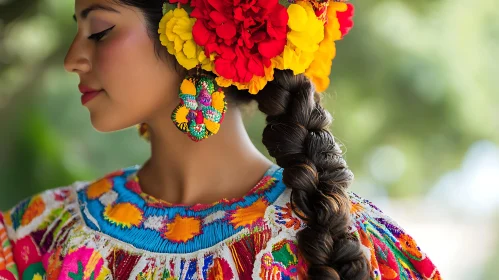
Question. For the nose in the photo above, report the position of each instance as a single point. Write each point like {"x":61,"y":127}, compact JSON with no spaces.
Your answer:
{"x":77,"y":58}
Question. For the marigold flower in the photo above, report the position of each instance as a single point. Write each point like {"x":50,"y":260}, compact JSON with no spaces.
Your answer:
{"x":175,"y":29}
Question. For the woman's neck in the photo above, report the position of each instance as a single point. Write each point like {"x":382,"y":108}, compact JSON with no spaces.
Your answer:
{"x":225,"y":165}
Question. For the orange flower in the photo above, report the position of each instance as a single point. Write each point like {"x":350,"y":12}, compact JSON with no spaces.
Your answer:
{"x":247,"y":216}
{"x":99,"y":188}
{"x":123,"y":214}
{"x":183,"y":228}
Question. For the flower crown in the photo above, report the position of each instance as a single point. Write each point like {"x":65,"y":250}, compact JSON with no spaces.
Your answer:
{"x":243,"y":41}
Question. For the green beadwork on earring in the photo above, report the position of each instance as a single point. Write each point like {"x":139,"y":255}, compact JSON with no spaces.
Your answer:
{"x":201,"y":109}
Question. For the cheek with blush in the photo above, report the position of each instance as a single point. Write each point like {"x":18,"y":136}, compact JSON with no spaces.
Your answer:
{"x":115,"y":65}
{"x":138,"y":83}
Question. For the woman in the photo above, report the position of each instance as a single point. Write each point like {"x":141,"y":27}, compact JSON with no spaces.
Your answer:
{"x":209,"y":205}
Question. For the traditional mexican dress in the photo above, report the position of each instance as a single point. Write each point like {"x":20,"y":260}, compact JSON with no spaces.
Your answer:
{"x":110,"y":229}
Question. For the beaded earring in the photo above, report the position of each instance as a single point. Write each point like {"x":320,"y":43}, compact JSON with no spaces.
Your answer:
{"x":202,"y":107}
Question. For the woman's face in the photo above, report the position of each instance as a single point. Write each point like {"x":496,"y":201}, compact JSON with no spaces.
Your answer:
{"x":121,"y":63}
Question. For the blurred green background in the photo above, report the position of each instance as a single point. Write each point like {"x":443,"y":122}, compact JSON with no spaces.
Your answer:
{"x":414,"y":94}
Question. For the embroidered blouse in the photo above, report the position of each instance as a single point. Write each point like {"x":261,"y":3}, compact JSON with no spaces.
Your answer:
{"x":109,"y":229}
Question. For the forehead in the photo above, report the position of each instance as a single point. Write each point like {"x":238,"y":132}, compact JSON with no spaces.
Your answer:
{"x":82,"y":4}
{"x":84,"y":7}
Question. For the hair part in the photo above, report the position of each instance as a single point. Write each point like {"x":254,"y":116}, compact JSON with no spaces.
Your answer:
{"x":297,"y":135}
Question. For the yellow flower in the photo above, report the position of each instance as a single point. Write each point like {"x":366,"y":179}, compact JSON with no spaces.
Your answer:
{"x":307,"y":31}
{"x":320,"y":68}
{"x":175,"y":29}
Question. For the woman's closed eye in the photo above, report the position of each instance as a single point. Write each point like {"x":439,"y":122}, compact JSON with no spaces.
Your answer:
{"x":98,"y":36}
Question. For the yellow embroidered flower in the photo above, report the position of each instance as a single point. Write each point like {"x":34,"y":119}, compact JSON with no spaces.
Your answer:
{"x":320,"y":68}
{"x":307,"y":31}
{"x":175,"y":29}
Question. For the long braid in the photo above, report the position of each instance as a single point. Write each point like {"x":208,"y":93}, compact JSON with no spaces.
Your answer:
{"x":297,"y":136}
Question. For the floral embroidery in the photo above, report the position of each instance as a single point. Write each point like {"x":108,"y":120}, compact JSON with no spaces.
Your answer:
{"x":123,"y":214}
{"x":248,"y":216}
{"x":282,"y":261}
{"x":253,"y":237}
{"x":99,"y":188}
{"x":285,"y":216}
{"x":182,"y":229}
{"x":26,"y":253}
{"x":35,"y":209}
{"x":52,"y":263}
{"x":27,"y":211}
{"x":220,"y":269}
{"x":84,"y":264}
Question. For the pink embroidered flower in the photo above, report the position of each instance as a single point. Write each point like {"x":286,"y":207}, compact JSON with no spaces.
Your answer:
{"x":84,"y":263}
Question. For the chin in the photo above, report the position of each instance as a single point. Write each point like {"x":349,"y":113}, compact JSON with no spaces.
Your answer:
{"x":104,"y":125}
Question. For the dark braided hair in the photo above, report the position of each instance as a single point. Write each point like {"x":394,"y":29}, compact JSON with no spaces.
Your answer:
{"x":297,"y":136}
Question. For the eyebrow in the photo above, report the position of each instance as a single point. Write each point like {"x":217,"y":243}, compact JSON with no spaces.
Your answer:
{"x":95,"y":7}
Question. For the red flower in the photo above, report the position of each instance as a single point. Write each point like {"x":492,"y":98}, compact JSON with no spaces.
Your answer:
{"x":245,"y":34}
{"x":345,"y":19}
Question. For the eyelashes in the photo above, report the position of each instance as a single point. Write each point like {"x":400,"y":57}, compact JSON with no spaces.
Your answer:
{"x":98,"y":36}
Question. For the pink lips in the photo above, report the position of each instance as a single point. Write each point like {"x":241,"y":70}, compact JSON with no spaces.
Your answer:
{"x":88,"y":93}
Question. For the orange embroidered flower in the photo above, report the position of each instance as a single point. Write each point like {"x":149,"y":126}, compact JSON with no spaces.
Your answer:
{"x":99,"y":188}
{"x":123,"y":214}
{"x":183,"y":229}
{"x":248,"y":216}
{"x":36,"y":208}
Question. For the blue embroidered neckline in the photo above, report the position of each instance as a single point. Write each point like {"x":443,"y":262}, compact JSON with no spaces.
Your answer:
{"x":110,"y":206}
